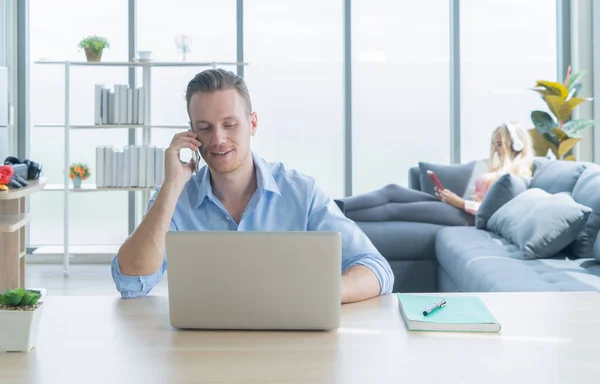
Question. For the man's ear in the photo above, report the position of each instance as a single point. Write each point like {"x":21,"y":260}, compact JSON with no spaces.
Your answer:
{"x":253,"y":123}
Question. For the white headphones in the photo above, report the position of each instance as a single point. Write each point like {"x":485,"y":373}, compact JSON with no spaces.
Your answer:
{"x":517,"y":145}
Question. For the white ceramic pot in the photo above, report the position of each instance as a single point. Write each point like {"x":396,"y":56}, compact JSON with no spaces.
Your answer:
{"x":19,"y":329}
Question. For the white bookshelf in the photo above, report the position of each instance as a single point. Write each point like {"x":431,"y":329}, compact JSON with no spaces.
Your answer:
{"x":112,"y":126}
{"x":66,"y":187}
{"x":94,"y":188}
{"x":213,"y":64}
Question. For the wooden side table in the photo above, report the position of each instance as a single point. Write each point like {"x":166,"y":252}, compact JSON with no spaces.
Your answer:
{"x":13,"y":221}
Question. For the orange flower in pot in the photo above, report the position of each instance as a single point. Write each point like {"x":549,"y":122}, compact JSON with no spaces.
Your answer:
{"x":79,"y":172}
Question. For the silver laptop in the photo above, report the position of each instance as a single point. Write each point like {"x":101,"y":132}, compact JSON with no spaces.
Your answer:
{"x":254,"y":280}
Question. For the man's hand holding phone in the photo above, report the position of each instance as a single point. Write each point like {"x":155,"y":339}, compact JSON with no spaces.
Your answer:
{"x":177,"y":171}
{"x":143,"y":251}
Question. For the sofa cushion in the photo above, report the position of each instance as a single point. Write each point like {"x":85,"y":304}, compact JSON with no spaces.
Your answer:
{"x":456,"y":177}
{"x":399,"y":240}
{"x":557,"y":176}
{"x":541,"y":224}
{"x":586,"y":192}
{"x":503,"y":190}
{"x":480,"y":261}
{"x":414,"y":181}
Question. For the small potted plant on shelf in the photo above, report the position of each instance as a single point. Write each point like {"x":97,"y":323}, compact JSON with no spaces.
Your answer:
{"x":93,"y":47}
{"x":79,"y":172}
{"x":20,"y":314}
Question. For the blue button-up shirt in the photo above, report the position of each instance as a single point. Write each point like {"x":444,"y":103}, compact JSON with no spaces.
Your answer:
{"x":285,"y":200}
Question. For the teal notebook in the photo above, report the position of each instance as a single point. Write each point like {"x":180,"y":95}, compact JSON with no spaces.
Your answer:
{"x":462,"y":314}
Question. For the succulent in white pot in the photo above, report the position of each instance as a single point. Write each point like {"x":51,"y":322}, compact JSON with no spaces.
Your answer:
{"x":20,"y":314}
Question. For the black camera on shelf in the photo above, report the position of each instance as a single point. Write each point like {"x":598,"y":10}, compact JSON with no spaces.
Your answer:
{"x":24,"y":170}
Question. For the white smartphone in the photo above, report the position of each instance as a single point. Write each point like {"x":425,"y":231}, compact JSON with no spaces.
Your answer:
{"x":197,"y":158}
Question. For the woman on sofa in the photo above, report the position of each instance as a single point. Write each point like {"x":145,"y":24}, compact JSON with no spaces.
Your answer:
{"x":511,"y":151}
{"x":507,"y":155}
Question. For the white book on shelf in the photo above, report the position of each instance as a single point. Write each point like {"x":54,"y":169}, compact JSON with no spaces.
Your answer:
{"x":129,"y":106}
{"x":123,"y":104}
{"x":108,"y":151}
{"x":116,"y":104}
{"x":157,"y":165}
{"x":142,"y":166}
{"x":100,"y":166}
{"x":160,"y":166}
{"x":135,"y":111}
{"x":115,"y":170}
{"x":134,"y":157}
{"x":98,"y":104}
{"x":120,"y":155}
{"x":139,"y":101}
{"x":104,"y":111}
{"x":126,"y":166}
{"x":150,"y":165}
{"x":142,"y":106}
{"x":111,"y":106}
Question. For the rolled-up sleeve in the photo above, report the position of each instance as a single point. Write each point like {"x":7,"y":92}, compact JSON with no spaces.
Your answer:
{"x":135,"y":286}
{"x":357,"y":248}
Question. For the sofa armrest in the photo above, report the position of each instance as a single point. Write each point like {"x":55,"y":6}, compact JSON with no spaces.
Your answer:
{"x":414,"y":181}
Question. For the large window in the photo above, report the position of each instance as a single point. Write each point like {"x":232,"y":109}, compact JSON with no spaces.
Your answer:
{"x":400,"y":89}
{"x":5,"y":80}
{"x":210,"y":29}
{"x":295,"y":76}
{"x":56,"y":27}
{"x":506,"y":45}
{"x":294,"y":50}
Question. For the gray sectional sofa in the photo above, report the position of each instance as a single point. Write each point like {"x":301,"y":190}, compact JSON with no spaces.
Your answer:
{"x":439,"y":258}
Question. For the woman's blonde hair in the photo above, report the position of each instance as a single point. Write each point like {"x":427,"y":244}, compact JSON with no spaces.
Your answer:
{"x":518,"y":163}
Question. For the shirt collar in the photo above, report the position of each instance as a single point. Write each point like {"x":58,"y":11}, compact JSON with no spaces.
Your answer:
{"x":264,"y":179}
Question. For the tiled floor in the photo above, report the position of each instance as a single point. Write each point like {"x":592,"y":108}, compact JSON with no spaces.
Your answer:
{"x":83,"y":280}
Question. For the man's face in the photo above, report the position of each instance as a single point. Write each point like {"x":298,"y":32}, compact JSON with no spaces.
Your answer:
{"x":224,"y":127}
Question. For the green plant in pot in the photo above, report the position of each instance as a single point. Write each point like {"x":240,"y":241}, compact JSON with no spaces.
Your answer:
{"x":93,"y":47}
{"x":20,"y":314}
{"x":559,"y":133}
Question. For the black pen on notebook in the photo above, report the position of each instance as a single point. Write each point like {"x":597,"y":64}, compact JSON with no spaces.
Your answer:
{"x":438,"y":304}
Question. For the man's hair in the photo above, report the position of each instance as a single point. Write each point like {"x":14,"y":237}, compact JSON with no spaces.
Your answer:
{"x":212,"y":80}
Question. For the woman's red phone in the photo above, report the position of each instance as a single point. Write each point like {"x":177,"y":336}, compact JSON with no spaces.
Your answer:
{"x":435,"y":179}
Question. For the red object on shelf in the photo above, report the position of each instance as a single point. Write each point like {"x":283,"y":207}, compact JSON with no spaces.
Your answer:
{"x":6,"y":172}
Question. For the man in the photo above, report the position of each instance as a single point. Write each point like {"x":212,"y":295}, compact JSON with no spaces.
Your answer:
{"x":237,"y":190}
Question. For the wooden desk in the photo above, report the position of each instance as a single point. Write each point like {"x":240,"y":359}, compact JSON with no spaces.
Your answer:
{"x":13,"y":221}
{"x":546,"y":338}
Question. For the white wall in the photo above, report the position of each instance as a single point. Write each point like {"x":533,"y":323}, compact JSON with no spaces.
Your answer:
{"x":11,"y":62}
{"x":3,"y":113}
{"x":3,"y":24}
{"x":4,"y":138}
{"x":581,"y":59}
{"x":596,"y":62}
